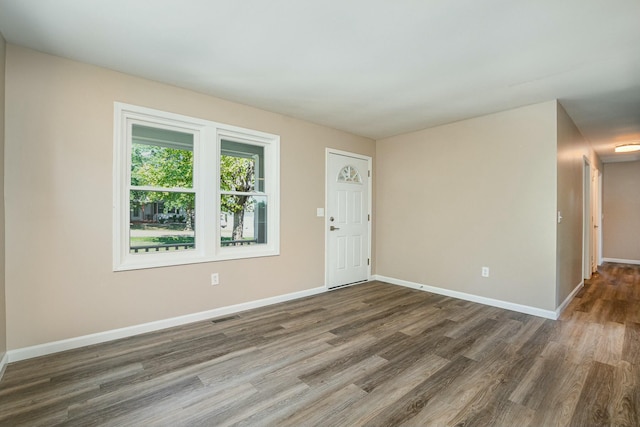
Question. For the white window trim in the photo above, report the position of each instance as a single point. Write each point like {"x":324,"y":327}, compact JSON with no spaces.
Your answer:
{"x":206,"y":181}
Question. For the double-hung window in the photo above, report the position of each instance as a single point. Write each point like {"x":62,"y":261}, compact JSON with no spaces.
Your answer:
{"x":189,"y":190}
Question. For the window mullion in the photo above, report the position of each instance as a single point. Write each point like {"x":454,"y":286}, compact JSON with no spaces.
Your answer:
{"x":162,"y":189}
{"x":206,"y":190}
{"x":243,"y":193}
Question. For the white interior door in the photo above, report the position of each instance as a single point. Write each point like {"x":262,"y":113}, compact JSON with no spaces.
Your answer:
{"x":347,"y":219}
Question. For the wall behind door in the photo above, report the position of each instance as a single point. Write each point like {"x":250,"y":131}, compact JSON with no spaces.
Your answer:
{"x":59,"y":139}
{"x":621,"y":209}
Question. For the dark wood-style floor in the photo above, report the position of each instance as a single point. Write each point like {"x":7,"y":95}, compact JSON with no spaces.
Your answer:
{"x":372,"y":354}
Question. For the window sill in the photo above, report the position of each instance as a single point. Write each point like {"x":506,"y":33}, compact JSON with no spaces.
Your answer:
{"x":144,"y":261}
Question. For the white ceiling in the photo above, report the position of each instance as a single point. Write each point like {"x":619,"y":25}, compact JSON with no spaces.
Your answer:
{"x":375,"y":68}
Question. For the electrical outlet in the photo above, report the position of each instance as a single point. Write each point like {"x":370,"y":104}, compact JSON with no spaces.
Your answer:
{"x":485,"y":271}
{"x":215,"y":279}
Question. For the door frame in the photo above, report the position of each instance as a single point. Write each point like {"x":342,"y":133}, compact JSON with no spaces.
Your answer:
{"x":587,"y":223}
{"x":595,"y":223}
{"x":328,"y":153}
{"x":599,"y":219}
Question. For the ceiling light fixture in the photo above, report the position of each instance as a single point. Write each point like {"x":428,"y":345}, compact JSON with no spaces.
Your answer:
{"x":627,"y":148}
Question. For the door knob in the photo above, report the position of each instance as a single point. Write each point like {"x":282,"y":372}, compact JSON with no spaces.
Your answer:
{"x":332,"y":228}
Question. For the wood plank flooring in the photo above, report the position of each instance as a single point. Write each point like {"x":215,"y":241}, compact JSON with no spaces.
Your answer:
{"x":368,"y":355}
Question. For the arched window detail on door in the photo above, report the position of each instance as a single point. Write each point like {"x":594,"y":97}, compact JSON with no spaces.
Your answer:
{"x":349,"y":174}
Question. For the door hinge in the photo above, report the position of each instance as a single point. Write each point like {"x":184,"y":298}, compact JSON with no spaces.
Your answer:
{"x":368,"y":217}
{"x":368,"y":261}
{"x":369,"y":174}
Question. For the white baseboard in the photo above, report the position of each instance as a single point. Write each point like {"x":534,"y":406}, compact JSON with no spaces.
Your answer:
{"x":568,"y":299}
{"x":3,"y":364}
{"x":548,"y":314}
{"x":622,"y":261}
{"x":77,"y":342}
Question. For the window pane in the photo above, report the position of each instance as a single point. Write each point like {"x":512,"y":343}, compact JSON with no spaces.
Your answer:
{"x":243,"y":220}
{"x":161,"y":221}
{"x":241,"y":167}
{"x":161,"y":158}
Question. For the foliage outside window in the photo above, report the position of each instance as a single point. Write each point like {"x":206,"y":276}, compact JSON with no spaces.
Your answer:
{"x":161,"y":220}
{"x":242,"y":196}
{"x":189,"y":190}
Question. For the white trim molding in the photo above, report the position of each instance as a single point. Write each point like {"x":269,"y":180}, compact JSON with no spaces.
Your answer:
{"x":568,"y":299}
{"x":77,"y":342}
{"x":548,"y":314}
{"x":622,"y":261}
{"x":3,"y":364}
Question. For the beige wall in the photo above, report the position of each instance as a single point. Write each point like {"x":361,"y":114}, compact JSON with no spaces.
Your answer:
{"x":573,"y":149}
{"x":480,"y":192}
{"x":621,"y":209}
{"x":3,"y":320}
{"x":448,"y":200}
{"x":59,"y":139}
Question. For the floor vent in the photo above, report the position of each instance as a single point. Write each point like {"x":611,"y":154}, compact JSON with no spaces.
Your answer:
{"x":224,"y":319}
